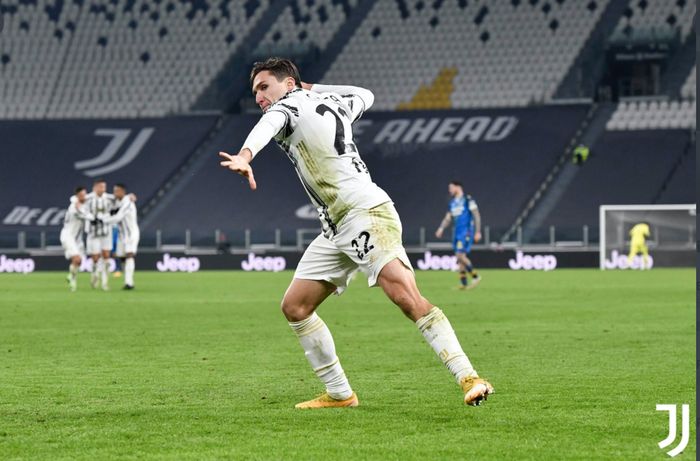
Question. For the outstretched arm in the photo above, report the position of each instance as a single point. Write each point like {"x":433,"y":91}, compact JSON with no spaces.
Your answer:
{"x":269,"y":125}
{"x":445,"y":222}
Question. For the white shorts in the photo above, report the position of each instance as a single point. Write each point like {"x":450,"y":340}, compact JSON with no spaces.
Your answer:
{"x":72,"y":247}
{"x":367,"y":240}
{"x":96,"y":245}
{"x":128,"y":245}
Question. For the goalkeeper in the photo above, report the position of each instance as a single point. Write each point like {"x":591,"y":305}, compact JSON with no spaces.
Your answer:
{"x":639,"y":233}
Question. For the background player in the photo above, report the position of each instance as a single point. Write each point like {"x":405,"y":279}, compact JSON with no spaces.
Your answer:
{"x":99,"y":238}
{"x":463,"y":210}
{"x":639,"y":233}
{"x":129,"y":234}
{"x":113,"y":254}
{"x":72,"y":234}
{"x":361,"y":229}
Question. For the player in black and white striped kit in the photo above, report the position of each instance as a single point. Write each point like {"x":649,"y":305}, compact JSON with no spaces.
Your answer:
{"x":126,"y":219}
{"x":72,"y":234}
{"x":99,"y":233}
{"x":361,"y":229}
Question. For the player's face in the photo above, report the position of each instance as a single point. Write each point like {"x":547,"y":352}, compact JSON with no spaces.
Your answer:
{"x":99,"y":188}
{"x":118,"y":192}
{"x":81,"y":196}
{"x":268,"y":90}
{"x":452,"y":189}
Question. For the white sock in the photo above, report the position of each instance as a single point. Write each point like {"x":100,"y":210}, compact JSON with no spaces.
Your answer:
{"x":319,"y":348}
{"x":72,"y":271}
{"x":95,"y":269}
{"x":105,"y":271}
{"x":438,"y":332}
{"x":129,"y":266}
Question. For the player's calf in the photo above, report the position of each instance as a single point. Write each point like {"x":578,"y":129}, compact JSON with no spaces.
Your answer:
{"x":399,"y":285}
{"x":436,"y":330}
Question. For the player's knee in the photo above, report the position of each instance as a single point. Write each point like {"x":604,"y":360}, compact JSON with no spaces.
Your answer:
{"x":295,"y":310}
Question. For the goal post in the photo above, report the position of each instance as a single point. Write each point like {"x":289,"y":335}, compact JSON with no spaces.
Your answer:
{"x":672,"y":230}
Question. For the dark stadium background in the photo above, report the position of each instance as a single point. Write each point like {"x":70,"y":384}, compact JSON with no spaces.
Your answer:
{"x":495,"y":94}
{"x":198,"y":362}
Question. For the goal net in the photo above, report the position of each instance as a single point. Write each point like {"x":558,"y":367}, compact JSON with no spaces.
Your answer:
{"x":671,"y":241}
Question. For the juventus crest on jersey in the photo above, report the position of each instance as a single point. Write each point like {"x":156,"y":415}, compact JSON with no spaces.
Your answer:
{"x":317,"y":137}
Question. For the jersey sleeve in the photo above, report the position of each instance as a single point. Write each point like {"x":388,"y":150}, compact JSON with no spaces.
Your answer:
{"x":357,"y":99}
{"x":270,"y":124}
{"x":81,"y":212}
{"x":471,"y":203}
{"x":121,"y":212}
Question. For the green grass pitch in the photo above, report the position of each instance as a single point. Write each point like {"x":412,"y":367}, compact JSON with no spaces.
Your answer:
{"x":204,"y":366}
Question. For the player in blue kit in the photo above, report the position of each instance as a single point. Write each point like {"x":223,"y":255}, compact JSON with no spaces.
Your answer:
{"x":467,"y":230}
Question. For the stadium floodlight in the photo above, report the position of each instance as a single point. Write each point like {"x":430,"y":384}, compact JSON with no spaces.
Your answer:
{"x":672,"y":228}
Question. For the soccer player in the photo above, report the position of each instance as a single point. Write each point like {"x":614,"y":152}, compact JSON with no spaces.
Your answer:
{"x":72,"y":235}
{"x":99,"y":239}
{"x":465,"y":214}
{"x":360,"y":226}
{"x":129,"y":234}
{"x":639,"y":233}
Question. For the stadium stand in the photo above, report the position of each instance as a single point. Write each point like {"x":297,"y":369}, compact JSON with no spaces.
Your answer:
{"x":309,"y":22}
{"x":624,"y":169}
{"x":644,"y":115}
{"x":115,"y":58}
{"x":505,"y":53}
{"x":650,"y":16}
{"x":681,"y":184}
{"x":100,"y":59}
{"x":487,"y":164}
{"x":653,"y":15}
{"x":688,"y":88}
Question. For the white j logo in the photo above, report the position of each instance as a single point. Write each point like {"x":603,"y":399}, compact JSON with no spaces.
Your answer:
{"x":103,"y":164}
{"x":685,"y":430}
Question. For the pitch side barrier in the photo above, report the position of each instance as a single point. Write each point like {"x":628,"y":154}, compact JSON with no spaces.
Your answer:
{"x":43,"y":161}
{"x":421,"y":260}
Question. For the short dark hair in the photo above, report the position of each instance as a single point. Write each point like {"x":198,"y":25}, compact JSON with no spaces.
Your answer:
{"x":79,"y":189}
{"x":120,"y":185}
{"x":456,"y":183}
{"x":98,"y":180}
{"x":281,"y":68}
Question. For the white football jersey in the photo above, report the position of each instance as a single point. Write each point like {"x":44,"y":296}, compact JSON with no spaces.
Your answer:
{"x":74,"y":223}
{"x":99,"y":205}
{"x":317,"y":137}
{"x":126,"y":217}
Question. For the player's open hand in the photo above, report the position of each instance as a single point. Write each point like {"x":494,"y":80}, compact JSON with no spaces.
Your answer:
{"x":477,"y":237}
{"x":240,"y":165}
